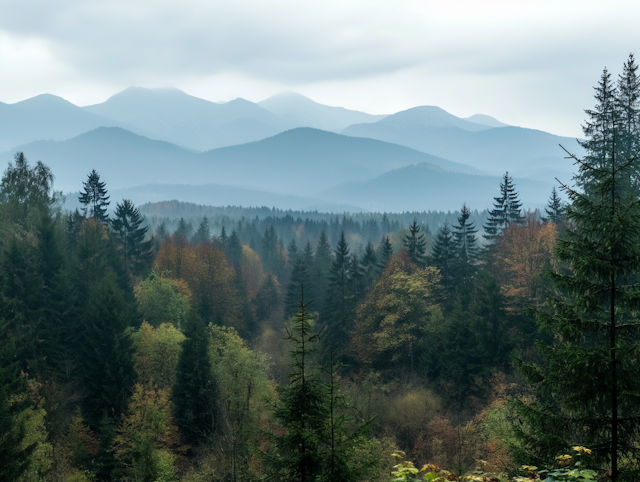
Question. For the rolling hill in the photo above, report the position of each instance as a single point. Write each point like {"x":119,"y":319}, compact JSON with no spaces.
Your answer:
{"x":46,"y":117}
{"x":300,"y":162}
{"x":494,"y":150}
{"x":424,"y":186}
{"x":174,"y":116}
{"x":300,"y":111}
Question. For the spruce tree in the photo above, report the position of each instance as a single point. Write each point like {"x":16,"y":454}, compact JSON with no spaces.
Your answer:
{"x":555,"y":209}
{"x":224,"y":239}
{"x":203,"y":233}
{"x":416,"y":244}
{"x":183,"y":231}
{"x":130,"y":233}
{"x":94,"y":198}
{"x":356,"y":280}
{"x":369,"y":265}
{"x":386,"y":251}
{"x":444,"y":253}
{"x":106,"y":364}
{"x":309,"y":261}
{"x":299,"y":277}
{"x":627,"y":100}
{"x":292,"y":250}
{"x":194,"y":395}
{"x":588,"y":388}
{"x":339,"y":301}
{"x":507,"y":209}
{"x":321,"y":267}
{"x":466,"y":250}
{"x":302,"y":409}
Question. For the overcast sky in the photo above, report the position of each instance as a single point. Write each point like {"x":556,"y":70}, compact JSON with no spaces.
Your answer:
{"x":526,"y":62}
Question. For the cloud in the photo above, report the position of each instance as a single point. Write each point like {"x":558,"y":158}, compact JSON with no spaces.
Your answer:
{"x":318,"y":47}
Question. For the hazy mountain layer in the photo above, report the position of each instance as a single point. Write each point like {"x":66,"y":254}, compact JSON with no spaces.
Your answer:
{"x":424,"y":186}
{"x":429,"y":116}
{"x":301,"y":111}
{"x":492,"y":150}
{"x":46,"y":117}
{"x":486,"y":120}
{"x":174,"y":116}
{"x":300,"y":162}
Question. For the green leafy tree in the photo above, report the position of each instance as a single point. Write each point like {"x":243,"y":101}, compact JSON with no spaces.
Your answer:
{"x":127,"y":225}
{"x":588,"y":388}
{"x":507,"y":209}
{"x":194,"y":395}
{"x":416,"y":244}
{"x":162,"y":300}
{"x":94,"y":198}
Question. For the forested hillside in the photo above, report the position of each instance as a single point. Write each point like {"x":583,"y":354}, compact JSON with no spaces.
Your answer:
{"x":175,"y":341}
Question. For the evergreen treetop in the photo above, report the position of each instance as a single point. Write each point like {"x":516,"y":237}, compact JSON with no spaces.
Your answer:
{"x":416,"y":244}
{"x":507,"y":209}
{"x":94,"y":198}
{"x":555,"y":209}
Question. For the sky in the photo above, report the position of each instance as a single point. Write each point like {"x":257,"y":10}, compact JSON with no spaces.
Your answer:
{"x":531,"y":63}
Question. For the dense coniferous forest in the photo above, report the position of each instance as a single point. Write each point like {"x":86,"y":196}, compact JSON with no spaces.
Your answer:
{"x":175,"y":342}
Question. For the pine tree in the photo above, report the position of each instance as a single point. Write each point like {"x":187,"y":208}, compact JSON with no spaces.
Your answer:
{"x":555,"y":209}
{"x":321,"y":267}
{"x":94,"y":198}
{"x":444,"y":252}
{"x":194,"y":395}
{"x":339,"y":302}
{"x":127,"y":226}
{"x":589,"y":385}
{"x":302,"y":409}
{"x":507,"y":209}
{"x":106,"y":365}
{"x":203,"y":233}
{"x":466,"y":250}
{"x":416,"y":244}
{"x":386,"y":251}
{"x":299,"y":277}
{"x":369,"y":265}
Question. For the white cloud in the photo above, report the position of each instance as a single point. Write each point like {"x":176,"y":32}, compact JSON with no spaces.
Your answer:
{"x":530,"y":62}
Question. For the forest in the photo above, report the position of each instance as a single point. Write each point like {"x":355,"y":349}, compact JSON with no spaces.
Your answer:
{"x":242,"y":345}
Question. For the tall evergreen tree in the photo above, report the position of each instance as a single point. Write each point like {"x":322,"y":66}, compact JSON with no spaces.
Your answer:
{"x":299,"y":277}
{"x":369,"y":265}
{"x":416,"y":244}
{"x":339,"y":302}
{"x":507,"y":209}
{"x":466,"y":250}
{"x":292,"y":250}
{"x":309,"y":261}
{"x":444,"y":253}
{"x":589,"y":386}
{"x":356,"y":280}
{"x":184,"y":230}
{"x":627,"y":100}
{"x":234,"y":250}
{"x":94,"y":198}
{"x":194,"y":395}
{"x":107,"y":367}
{"x":224,"y":239}
{"x":127,"y":225}
{"x":386,"y":251}
{"x":555,"y":209}
{"x":321,"y":268}
{"x":203,"y":233}
{"x":302,"y":409}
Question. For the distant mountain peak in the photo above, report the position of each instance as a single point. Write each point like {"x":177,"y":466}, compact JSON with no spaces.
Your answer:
{"x":45,"y":99}
{"x":486,"y":120}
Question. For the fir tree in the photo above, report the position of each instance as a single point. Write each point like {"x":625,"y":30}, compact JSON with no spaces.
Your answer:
{"x":224,"y":239}
{"x":194,"y":395}
{"x":299,"y":277}
{"x":466,"y":251}
{"x":627,"y":101}
{"x":321,"y":267}
{"x":183,"y":231}
{"x":302,"y":409}
{"x":339,"y":301}
{"x":507,"y":209}
{"x":292,"y":250}
{"x":94,"y":198}
{"x":444,"y":252}
{"x":416,"y":244}
{"x":386,"y":251}
{"x":130,"y":234}
{"x":555,"y":209}
{"x":588,"y":388}
{"x":309,"y":261}
{"x":161,"y":231}
{"x":356,"y":280}
{"x":203,"y":233}
{"x":369,"y":265}
{"x":234,"y":251}
{"x":106,"y":365}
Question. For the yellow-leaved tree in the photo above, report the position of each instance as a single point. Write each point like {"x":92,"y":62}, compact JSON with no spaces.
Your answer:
{"x":397,"y":315}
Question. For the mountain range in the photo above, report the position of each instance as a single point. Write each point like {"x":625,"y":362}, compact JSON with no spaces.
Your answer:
{"x":287,"y":145}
